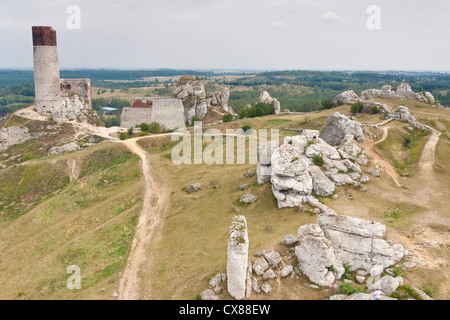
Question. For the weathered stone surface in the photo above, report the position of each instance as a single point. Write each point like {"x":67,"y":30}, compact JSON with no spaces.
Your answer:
{"x":220,"y":98}
{"x":192,"y":92}
{"x":386,"y":284}
{"x":346,"y":97}
{"x":260,"y":266}
{"x":248,"y":198}
{"x":72,"y":146}
{"x":264,"y":152}
{"x":208,"y":294}
{"x":269,"y":274}
{"x":243,"y":187}
{"x":265,"y":97}
{"x":315,"y":255}
{"x":287,"y":270}
{"x":237,"y":263}
{"x":193,"y":187}
{"x":322,"y":186}
{"x":273,"y":258}
{"x":373,"y":172}
{"x":289,"y":240}
{"x":337,"y":126}
{"x":266,"y":287}
{"x":13,"y":135}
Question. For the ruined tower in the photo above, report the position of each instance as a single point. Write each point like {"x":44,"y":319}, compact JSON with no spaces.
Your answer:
{"x":46,"y":69}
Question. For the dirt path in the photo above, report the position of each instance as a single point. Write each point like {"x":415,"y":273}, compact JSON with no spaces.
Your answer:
{"x":130,"y":283}
{"x":427,"y":159}
{"x":379,"y":161}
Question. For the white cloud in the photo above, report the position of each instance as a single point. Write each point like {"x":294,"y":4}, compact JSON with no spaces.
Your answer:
{"x":277,"y":24}
{"x":331,"y":16}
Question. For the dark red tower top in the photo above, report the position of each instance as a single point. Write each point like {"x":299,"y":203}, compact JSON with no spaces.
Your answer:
{"x":44,"y":36}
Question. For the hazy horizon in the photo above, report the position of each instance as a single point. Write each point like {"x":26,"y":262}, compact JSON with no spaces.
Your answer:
{"x":264,"y":35}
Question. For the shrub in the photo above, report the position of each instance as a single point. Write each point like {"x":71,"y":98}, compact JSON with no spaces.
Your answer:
{"x":227,"y":117}
{"x":195,"y":118}
{"x":258,"y":110}
{"x":408,"y":142}
{"x":246,"y":127}
{"x":144,"y":127}
{"x":130,"y":131}
{"x":318,"y":160}
{"x":123,"y":136}
{"x":154,"y":127}
{"x":357,"y":107}
{"x":397,"y":271}
{"x":374,"y":110}
{"x":349,"y":289}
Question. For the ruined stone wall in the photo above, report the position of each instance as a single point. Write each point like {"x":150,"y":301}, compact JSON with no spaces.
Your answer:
{"x":80,"y":87}
{"x":169,"y":113}
{"x":46,"y":69}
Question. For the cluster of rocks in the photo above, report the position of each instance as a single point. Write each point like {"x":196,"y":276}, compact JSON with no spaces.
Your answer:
{"x":294,"y":169}
{"x":337,"y":126}
{"x":323,"y":252}
{"x":197,"y":101}
{"x":401,"y":91}
{"x":265,"y":97}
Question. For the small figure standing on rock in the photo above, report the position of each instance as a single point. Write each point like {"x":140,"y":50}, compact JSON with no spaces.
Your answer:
{"x":377,"y":293}
{"x":314,"y":138}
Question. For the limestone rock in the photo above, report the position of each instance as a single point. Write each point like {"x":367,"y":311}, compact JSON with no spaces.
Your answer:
{"x":260,"y":266}
{"x":72,"y":146}
{"x":265,"y":97}
{"x":287,"y":270}
{"x":248,"y":198}
{"x":386,"y":284}
{"x":13,"y":135}
{"x":192,"y":92}
{"x":289,"y":240}
{"x":322,"y":186}
{"x":266,"y":287}
{"x":237,"y":262}
{"x":193,"y":187}
{"x":346,"y":97}
{"x":220,"y":98}
{"x":315,"y":255}
{"x":269,"y":274}
{"x":337,"y":126}
{"x":264,"y":153}
{"x":273,"y":258}
{"x":208,"y":294}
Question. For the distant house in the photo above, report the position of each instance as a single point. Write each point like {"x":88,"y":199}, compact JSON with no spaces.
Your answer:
{"x":169,"y":113}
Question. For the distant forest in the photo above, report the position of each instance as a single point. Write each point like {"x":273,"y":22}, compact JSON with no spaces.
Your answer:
{"x":296,"y":90}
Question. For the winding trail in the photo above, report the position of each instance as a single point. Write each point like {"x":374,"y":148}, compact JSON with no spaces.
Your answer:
{"x":130,"y":283}
{"x":388,"y":168}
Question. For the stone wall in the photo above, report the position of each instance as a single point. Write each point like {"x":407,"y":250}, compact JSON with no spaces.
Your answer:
{"x":169,"y":113}
{"x":80,"y":87}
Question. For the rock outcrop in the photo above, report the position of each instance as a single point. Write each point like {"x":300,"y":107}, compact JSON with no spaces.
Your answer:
{"x":13,"y":135}
{"x":237,"y":263}
{"x":219,"y":98}
{"x":265,"y":97}
{"x":346,"y":97}
{"x":295,"y":176}
{"x":337,"y":240}
{"x":337,"y":126}
{"x":196,"y":101}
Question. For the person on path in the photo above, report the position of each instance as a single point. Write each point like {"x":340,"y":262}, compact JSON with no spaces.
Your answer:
{"x":377,"y":293}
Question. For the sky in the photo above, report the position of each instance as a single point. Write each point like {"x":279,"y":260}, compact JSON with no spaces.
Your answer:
{"x":233,"y":34}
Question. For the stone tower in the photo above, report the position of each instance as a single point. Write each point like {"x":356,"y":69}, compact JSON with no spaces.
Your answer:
{"x":46,"y":69}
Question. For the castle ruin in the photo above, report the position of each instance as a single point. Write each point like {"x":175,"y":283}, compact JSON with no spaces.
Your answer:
{"x":62,"y":99}
{"x":169,"y":113}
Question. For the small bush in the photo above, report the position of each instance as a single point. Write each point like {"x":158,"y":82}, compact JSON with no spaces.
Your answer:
{"x":123,"y":136}
{"x":310,"y":142}
{"x":154,"y":127}
{"x":318,"y":160}
{"x":357,"y":107}
{"x":195,"y":118}
{"x":374,"y":110}
{"x":246,"y":127}
{"x":397,"y":271}
{"x":227,"y":117}
{"x":408,"y":142}
{"x":349,"y":289}
{"x":144,"y":127}
{"x":130,"y":131}
{"x":258,"y":110}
